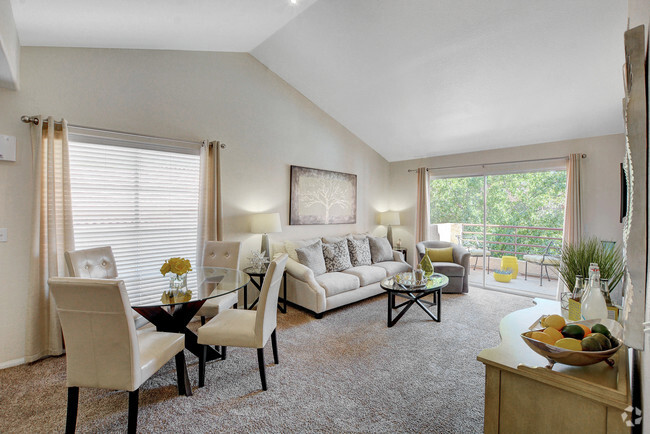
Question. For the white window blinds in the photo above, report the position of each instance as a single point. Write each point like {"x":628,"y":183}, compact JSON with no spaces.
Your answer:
{"x":140,"y":200}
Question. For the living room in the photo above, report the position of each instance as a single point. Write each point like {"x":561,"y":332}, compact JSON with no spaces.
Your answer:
{"x":268,"y":125}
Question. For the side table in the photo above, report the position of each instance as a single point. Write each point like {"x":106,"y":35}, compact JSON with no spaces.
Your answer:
{"x":403,"y":250}
{"x":259,"y":274}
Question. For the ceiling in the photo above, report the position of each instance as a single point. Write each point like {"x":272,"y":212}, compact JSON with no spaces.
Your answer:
{"x":411,"y":79}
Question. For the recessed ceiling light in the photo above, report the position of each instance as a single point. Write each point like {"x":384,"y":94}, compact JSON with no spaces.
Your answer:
{"x":294,"y":2}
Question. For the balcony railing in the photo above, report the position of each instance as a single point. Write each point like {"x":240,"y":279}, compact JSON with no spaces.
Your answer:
{"x":513,"y":240}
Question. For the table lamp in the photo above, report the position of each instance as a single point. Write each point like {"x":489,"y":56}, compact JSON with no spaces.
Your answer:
{"x":265,"y":224}
{"x":389,"y":218}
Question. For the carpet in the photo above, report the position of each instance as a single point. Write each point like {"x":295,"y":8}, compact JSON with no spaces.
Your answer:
{"x":346,"y":372}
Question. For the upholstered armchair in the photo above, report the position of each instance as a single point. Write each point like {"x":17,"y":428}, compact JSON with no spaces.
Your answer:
{"x":457,"y":271}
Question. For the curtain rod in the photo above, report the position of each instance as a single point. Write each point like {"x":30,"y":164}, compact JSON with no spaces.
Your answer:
{"x":500,"y":162}
{"x":34,"y":120}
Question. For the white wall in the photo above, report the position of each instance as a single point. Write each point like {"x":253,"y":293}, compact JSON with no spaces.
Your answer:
{"x":600,"y":176}
{"x":266,"y":124}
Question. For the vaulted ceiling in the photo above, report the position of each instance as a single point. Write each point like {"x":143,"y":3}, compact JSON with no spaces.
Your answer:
{"x":410,"y":78}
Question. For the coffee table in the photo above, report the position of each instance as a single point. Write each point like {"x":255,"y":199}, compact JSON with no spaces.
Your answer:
{"x":414,"y":295}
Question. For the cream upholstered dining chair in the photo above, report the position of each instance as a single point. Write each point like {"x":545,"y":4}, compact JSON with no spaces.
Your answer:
{"x":97,"y":263}
{"x":219,"y":254}
{"x":248,"y":328}
{"x":103,"y":349}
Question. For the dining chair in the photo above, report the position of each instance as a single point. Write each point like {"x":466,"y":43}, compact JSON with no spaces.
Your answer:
{"x":103,"y":348}
{"x":247,"y":328}
{"x":97,"y":263}
{"x":543,"y":260}
{"x":219,"y":254}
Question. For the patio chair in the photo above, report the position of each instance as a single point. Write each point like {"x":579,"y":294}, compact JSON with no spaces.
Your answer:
{"x":543,"y":260}
{"x":475,"y":252}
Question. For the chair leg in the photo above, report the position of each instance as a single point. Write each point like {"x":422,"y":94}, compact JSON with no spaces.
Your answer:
{"x":73,"y":404}
{"x":475,"y":262}
{"x":274,"y":344}
{"x":133,"y":411}
{"x":202,"y":356}
{"x":541,"y":274}
{"x":223,"y":352}
{"x":547,"y":276}
{"x":526,"y":274}
{"x":260,"y":361}
{"x":202,"y":320}
{"x":183,"y":379}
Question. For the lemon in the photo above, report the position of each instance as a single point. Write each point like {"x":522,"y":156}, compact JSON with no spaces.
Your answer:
{"x":569,"y":344}
{"x":554,"y":334}
{"x":555,"y":321}
{"x":542,"y":337}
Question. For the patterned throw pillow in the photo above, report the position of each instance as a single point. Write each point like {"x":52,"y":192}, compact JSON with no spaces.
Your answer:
{"x":380,"y":249}
{"x":337,"y":257}
{"x":312,"y":256}
{"x":359,"y":252}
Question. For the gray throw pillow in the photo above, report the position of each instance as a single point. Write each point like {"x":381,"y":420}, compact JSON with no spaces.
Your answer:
{"x":312,"y":256}
{"x":337,"y":257}
{"x":359,"y":252}
{"x":380,"y":249}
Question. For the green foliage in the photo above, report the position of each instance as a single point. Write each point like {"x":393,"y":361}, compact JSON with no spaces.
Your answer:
{"x":577,"y":257}
{"x":520,"y":199}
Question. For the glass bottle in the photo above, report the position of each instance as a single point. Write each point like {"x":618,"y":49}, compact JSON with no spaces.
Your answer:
{"x":578,"y":288}
{"x":593,"y":303}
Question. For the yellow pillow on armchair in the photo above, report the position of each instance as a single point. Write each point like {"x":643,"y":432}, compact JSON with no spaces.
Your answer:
{"x":441,"y":255}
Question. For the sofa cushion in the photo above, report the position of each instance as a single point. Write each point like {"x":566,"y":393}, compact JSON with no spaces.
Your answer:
{"x":337,"y":256}
{"x":445,"y":254}
{"x":367,"y":274}
{"x":380,"y":249}
{"x":359,"y":252}
{"x":449,"y":269}
{"x":291,"y":246}
{"x":336,"y":283}
{"x":312,"y":257}
{"x":393,"y":267}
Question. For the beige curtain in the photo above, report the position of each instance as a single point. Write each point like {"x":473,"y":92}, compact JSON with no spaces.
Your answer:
{"x":572,"y":208}
{"x":52,"y":235}
{"x":210,"y":205}
{"x":422,"y":208}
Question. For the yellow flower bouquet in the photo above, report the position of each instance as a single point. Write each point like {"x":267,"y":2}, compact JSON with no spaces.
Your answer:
{"x":178,"y":292}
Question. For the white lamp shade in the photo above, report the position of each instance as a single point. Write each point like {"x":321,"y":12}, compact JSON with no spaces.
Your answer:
{"x":266,"y":223}
{"x":389,"y":218}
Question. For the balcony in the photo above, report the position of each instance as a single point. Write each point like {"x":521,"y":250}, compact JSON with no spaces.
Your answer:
{"x":507,"y":240}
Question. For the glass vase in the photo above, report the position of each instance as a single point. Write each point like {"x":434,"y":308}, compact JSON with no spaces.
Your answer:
{"x":177,"y":284}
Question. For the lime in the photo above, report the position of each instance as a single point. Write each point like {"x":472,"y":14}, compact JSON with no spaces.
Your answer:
{"x":573,"y":331}
{"x":599,"y":328}
{"x":591,"y":344}
{"x":602,"y":339}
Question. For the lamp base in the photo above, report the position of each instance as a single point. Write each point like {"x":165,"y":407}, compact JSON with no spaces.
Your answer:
{"x":265,"y":247}
{"x":389,"y":235}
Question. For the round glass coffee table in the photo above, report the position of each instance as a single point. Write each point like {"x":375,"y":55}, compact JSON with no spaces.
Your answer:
{"x":414,"y":294}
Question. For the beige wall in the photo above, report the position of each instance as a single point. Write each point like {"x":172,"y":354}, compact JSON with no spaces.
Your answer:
{"x":600,"y":175}
{"x":230,"y":97}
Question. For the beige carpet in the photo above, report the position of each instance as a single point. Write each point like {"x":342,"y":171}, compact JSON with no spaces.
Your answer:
{"x":346,"y":372}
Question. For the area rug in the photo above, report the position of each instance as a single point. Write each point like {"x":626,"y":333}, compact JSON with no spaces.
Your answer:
{"x":346,"y":372}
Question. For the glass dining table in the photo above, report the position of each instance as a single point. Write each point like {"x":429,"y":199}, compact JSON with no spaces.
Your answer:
{"x":212,"y":282}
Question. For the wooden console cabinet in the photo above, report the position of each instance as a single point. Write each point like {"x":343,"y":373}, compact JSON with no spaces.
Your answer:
{"x":523,"y":396}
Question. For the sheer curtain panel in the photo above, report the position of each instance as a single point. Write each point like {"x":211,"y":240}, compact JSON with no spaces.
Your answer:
{"x":422,"y":210}
{"x":52,"y":235}
{"x":210,"y":224}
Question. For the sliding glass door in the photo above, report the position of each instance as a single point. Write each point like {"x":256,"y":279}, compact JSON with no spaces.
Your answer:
{"x":510,"y":223}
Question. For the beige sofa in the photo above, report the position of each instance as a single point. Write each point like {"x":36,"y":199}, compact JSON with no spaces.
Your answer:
{"x":334,"y":289}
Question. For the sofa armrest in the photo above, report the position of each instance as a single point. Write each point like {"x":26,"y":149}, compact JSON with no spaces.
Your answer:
{"x":300,"y":272}
{"x":461,"y":256}
{"x":398,"y":256}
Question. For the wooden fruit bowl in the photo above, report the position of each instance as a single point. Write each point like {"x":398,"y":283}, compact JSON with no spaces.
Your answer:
{"x":577,"y":358}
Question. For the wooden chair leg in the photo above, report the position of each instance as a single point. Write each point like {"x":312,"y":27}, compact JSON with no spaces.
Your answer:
{"x":133,"y":411}
{"x":73,"y":404}
{"x":182,"y":377}
{"x":260,"y":361}
{"x":274,"y":344}
{"x":203,"y":355}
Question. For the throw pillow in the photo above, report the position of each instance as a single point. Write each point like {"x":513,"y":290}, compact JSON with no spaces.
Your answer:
{"x":359,"y":252}
{"x":291,"y":246}
{"x":380,"y":249}
{"x":441,"y":255}
{"x":337,"y":257}
{"x":312,"y":256}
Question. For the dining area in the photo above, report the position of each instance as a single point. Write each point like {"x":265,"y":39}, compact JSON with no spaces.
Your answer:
{"x":116,"y":343}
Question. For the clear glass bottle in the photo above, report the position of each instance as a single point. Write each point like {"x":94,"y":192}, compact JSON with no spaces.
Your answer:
{"x":578,"y":288}
{"x":593,"y":303}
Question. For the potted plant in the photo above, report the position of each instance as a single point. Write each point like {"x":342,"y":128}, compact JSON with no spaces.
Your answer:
{"x":577,"y":257}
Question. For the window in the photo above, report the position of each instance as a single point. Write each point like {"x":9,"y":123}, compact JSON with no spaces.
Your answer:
{"x":140,"y":199}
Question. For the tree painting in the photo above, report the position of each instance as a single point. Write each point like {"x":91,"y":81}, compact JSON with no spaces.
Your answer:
{"x":322,"y":197}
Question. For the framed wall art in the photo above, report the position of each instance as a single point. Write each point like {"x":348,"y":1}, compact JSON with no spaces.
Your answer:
{"x":322,"y":197}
